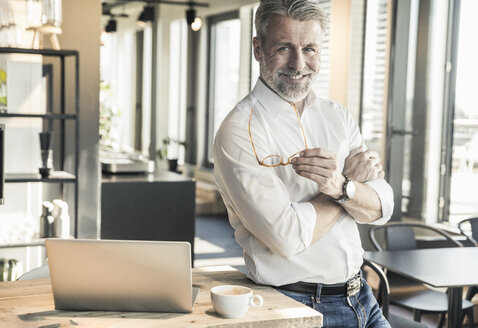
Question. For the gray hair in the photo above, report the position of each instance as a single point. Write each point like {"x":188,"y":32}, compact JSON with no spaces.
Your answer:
{"x":301,"y":10}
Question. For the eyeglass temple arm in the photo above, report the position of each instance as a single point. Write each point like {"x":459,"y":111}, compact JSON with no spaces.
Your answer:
{"x":300,"y":123}
{"x":250,"y":137}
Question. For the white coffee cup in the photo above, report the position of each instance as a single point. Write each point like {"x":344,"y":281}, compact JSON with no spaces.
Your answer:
{"x":233,"y":301}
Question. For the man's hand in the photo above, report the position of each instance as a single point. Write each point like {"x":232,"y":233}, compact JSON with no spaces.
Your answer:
{"x":320,"y":165}
{"x":363,"y":166}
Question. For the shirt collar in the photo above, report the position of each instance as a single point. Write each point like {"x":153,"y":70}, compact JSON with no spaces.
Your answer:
{"x":272,"y":103}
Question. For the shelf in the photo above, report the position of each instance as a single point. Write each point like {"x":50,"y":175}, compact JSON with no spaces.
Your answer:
{"x":43,"y":52}
{"x":55,"y":177}
{"x":45,"y":116}
{"x":60,"y":91}
{"x":34,"y":242}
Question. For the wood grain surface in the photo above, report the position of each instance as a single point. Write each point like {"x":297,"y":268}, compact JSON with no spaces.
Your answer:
{"x":30,"y":304}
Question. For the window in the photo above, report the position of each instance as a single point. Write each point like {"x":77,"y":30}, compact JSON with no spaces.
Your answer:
{"x":177,"y":87}
{"x":464,"y":170}
{"x":125,"y":66}
{"x":254,"y":64}
{"x":432,"y":178}
{"x":224,"y":64}
{"x":374,"y":75}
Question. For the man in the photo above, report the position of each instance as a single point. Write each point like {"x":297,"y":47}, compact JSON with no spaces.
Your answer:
{"x":294,"y":177}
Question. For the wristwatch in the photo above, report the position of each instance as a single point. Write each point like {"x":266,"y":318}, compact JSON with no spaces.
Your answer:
{"x":348,"y":190}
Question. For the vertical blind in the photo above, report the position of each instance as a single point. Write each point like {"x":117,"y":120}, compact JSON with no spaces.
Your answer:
{"x":374,"y":74}
{"x":322,"y":83}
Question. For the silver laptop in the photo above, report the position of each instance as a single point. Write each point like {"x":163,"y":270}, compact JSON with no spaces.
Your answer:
{"x":120,"y":275}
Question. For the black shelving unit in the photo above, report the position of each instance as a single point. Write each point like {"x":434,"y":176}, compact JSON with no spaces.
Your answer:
{"x":45,"y":116}
{"x":56,"y":176}
{"x":60,"y":176}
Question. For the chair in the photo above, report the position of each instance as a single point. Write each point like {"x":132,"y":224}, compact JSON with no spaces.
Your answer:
{"x":469,"y":229}
{"x":408,"y":293}
{"x":42,"y":272}
{"x":383,"y":299}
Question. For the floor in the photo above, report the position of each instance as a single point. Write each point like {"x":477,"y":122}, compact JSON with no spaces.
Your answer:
{"x":215,"y":245}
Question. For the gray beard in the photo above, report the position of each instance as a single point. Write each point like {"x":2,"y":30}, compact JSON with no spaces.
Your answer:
{"x":288,"y":91}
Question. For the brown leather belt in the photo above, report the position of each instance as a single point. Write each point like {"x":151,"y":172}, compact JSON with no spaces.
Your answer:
{"x":348,"y":288}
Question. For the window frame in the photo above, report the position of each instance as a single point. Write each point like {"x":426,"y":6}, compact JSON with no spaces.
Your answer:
{"x":211,"y":47}
{"x":179,"y":97}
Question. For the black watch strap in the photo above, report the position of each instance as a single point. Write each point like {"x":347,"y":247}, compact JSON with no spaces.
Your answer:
{"x":345,"y":197}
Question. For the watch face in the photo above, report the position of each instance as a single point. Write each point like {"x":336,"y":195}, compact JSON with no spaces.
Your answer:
{"x":350,"y":189}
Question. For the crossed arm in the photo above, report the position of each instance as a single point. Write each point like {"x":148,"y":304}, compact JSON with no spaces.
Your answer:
{"x":321,"y":166}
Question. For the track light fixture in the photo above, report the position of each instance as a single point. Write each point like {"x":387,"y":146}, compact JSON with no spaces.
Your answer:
{"x":190,"y":15}
{"x":192,"y":20}
{"x":147,"y":15}
{"x":111,"y":25}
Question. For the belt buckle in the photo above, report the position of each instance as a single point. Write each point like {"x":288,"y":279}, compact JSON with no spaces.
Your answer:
{"x":353,"y":285}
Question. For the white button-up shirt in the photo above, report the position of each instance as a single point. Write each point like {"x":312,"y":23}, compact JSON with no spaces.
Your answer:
{"x":269,"y":208}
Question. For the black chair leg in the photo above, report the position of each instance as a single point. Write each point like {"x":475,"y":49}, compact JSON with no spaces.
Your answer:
{"x":417,"y":315}
{"x":379,"y":294}
{"x":442,"y":320}
{"x":471,"y":320}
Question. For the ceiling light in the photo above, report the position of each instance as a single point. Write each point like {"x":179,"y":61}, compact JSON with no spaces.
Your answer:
{"x":197,"y":24}
{"x":192,"y":20}
{"x":111,"y":25}
{"x":147,"y":15}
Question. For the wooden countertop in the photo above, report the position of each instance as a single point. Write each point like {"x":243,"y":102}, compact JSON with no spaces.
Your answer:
{"x":30,"y":304}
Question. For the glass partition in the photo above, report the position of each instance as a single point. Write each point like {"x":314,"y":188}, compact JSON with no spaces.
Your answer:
{"x":464,"y":171}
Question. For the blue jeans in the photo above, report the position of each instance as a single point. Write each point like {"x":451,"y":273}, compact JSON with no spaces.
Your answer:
{"x":358,"y":311}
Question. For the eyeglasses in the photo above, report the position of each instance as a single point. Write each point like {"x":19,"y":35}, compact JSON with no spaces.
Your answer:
{"x":276,"y":160}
